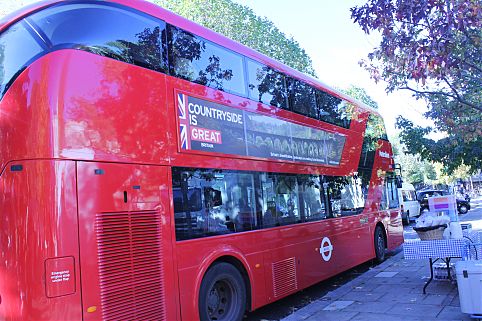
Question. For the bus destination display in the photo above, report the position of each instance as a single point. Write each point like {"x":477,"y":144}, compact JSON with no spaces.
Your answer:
{"x":211,"y":127}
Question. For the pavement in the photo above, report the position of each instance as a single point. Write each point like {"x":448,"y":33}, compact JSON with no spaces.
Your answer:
{"x":392,"y":291}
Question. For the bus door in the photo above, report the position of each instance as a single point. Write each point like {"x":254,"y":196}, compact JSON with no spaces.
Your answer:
{"x":126,"y":255}
{"x":394,"y":227}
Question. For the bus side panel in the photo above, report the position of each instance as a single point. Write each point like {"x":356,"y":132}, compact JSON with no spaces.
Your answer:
{"x":334,"y":245}
{"x":125,"y":242}
{"x":39,"y":260}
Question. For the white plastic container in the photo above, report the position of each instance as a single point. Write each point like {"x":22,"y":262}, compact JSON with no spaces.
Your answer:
{"x":469,"y":282}
{"x":440,"y":272}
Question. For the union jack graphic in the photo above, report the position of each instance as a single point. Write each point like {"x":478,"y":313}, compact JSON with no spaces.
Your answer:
{"x":181,"y":106}
{"x":183,"y":115}
{"x":184,"y":136}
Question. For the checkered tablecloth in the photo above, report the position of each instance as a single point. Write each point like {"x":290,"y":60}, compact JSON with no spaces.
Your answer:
{"x":437,"y":249}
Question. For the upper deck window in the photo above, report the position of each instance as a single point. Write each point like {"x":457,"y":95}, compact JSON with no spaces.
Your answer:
{"x":266,"y":85}
{"x":108,"y":31}
{"x":17,"y":48}
{"x":303,"y":100}
{"x":332,"y":109}
{"x":196,"y":59}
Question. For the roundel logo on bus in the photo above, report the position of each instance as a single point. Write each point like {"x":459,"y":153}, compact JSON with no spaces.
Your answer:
{"x":326,"y":248}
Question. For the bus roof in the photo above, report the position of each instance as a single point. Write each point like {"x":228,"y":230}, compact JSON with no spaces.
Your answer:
{"x":190,"y":26}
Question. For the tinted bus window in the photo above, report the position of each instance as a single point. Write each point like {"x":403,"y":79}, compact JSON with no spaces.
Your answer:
{"x":346,"y":195}
{"x":108,"y":31}
{"x":312,"y":205}
{"x":280,"y":199}
{"x":196,"y":59}
{"x":266,"y":85}
{"x":302,"y":98}
{"x":332,"y":109}
{"x":17,"y":48}
{"x":211,"y":202}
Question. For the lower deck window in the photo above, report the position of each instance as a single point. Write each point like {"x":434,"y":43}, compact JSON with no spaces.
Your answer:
{"x":210,"y":202}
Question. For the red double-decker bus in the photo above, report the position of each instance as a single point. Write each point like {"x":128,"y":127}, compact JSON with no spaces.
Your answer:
{"x":151,"y":169}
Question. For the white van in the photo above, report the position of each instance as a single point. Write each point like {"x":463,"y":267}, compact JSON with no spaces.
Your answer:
{"x":408,"y":202}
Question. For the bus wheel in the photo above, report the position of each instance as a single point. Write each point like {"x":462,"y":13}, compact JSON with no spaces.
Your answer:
{"x":223,"y":294}
{"x":379,"y":245}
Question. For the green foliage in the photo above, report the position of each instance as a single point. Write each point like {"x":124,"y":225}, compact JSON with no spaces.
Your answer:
{"x":414,"y":170}
{"x":360,"y":94}
{"x":434,"y":49}
{"x":241,"y":24}
{"x":451,"y":151}
{"x":421,"y":172}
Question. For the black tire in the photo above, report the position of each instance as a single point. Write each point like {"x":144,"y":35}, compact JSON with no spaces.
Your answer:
{"x":406,"y":219}
{"x":380,"y":245}
{"x":222,"y":296}
{"x":463,"y":209}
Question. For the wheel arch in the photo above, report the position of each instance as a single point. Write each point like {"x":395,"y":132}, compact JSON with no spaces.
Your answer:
{"x":234,"y":258}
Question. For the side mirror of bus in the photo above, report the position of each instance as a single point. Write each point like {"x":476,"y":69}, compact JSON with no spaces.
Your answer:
{"x":399,"y":182}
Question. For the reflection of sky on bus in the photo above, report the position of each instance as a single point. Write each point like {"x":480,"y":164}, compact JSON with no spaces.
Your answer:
{"x":334,"y":43}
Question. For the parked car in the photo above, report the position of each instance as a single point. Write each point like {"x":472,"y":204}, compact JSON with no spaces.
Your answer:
{"x":422,"y":196}
{"x":408,"y":202}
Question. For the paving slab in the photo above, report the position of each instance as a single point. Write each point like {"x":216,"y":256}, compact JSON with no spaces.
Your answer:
{"x":332,"y":316}
{"x":338,"y":305}
{"x":363,"y":296}
{"x":421,"y":311}
{"x":371,"y":307}
{"x":365,"y":316}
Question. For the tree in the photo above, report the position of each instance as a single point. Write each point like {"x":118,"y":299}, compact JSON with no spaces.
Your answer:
{"x":434,"y":49}
{"x":360,"y":94}
{"x":241,"y":24}
{"x":414,"y":170}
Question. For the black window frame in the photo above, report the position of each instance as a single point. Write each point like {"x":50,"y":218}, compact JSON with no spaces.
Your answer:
{"x":35,"y":37}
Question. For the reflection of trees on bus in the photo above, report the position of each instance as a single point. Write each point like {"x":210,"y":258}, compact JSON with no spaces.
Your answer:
{"x":346,"y":195}
{"x":145,"y":52}
{"x":227,"y":202}
{"x":266,"y":85}
{"x":196,"y":59}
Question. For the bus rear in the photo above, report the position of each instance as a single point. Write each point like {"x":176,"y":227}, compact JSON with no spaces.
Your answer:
{"x":82,"y":240}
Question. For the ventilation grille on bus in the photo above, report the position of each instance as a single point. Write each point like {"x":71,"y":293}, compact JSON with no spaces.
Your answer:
{"x":284,"y":277}
{"x":130,"y":266}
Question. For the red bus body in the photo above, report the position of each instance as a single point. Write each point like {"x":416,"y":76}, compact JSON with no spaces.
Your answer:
{"x":86,"y":139}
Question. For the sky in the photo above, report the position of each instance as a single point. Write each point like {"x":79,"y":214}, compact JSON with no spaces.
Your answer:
{"x":334,"y":43}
